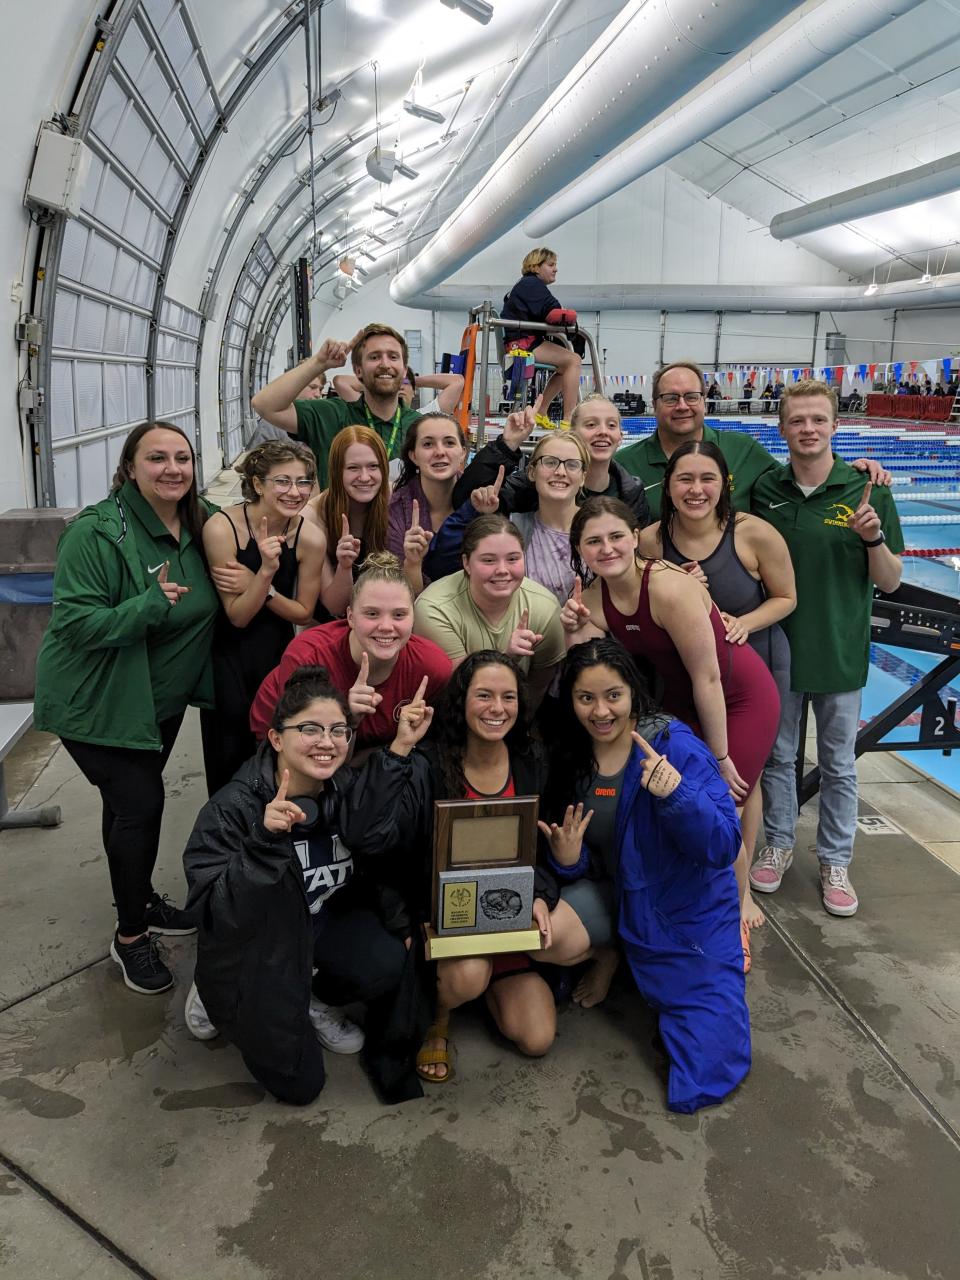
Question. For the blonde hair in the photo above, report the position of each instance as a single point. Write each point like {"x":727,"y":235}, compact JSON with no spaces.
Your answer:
{"x":545,"y":442}
{"x":334,"y":503}
{"x":588,"y":402}
{"x":380,"y":566}
{"x":808,"y":387}
{"x":535,"y":260}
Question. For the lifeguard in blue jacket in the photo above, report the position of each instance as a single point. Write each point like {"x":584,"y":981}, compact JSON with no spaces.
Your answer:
{"x":647,"y":854}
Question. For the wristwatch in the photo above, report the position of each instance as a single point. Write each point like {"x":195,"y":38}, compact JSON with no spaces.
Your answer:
{"x":877,"y":541}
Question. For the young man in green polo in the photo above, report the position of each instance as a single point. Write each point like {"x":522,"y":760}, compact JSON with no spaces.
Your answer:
{"x":844,"y":539}
{"x":678,"y":402}
{"x":379,"y":356}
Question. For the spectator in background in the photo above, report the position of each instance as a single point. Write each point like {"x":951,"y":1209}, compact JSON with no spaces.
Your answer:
{"x":767,"y":397}
{"x":531,"y":299}
{"x":379,"y":356}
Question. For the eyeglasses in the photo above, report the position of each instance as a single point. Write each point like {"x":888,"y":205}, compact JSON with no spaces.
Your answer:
{"x":671,"y":398}
{"x":572,"y":466}
{"x":310,"y":732}
{"x":283,"y":483}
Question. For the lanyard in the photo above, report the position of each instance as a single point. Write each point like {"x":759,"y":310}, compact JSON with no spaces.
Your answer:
{"x":393,"y":433}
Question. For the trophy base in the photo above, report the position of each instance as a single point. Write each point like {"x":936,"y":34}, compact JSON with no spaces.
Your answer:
{"x":452,"y":946}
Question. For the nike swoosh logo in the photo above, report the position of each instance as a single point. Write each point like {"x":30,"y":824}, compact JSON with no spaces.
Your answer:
{"x":777,"y":504}
{"x":155,"y":568}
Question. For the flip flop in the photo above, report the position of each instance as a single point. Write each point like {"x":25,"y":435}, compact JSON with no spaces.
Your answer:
{"x":745,"y":942}
{"x":435,"y":1057}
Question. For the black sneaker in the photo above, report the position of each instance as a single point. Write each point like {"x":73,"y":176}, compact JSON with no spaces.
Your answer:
{"x":163,"y":917}
{"x":141,"y":966}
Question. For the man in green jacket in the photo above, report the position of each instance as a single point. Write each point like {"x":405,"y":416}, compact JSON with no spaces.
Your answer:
{"x":678,"y":402}
{"x":379,"y":356}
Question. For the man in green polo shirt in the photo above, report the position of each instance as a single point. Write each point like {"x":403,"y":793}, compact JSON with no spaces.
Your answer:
{"x":678,"y":401}
{"x":844,"y":539}
{"x":379,"y":356}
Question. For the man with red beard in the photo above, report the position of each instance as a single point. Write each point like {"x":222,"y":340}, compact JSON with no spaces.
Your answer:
{"x":379,"y":356}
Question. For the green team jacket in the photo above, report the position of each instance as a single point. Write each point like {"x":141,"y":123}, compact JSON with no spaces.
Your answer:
{"x":93,"y":668}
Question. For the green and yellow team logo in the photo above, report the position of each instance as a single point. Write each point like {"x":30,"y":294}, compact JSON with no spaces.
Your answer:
{"x":842,"y":517}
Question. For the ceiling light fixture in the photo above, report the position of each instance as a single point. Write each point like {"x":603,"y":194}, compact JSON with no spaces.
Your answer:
{"x":381,"y":164}
{"x":385,"y":208}
{"x":404,"y":170}
{"x":372,"y":235}
{"x":479,"y":10}
{"x":870,"y":290}
{"x":422,"y":113}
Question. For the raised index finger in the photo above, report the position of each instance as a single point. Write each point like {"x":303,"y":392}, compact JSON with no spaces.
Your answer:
{"x":284,"y":783}
{"x":577,"y":588}
{"x":363,"y":677}
{"x":643,"y":744}
{"x":867,"y":490}
{"x":422,"y":691}
{"x":415,"y":511}
{"x":499,"y":481}
{"x":525,"y":620}
{"x":344,"y":526}
{"x":164,"y":570}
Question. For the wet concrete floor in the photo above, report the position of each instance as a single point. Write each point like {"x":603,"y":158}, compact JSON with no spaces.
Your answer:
{"x":128,"y":1148}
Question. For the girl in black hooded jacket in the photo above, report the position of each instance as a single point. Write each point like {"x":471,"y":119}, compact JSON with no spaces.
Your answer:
{"x":272,"y":874}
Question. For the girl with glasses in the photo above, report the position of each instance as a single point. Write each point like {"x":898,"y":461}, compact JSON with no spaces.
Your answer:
{"x":267,"y":564}
{"x":282,"y":877}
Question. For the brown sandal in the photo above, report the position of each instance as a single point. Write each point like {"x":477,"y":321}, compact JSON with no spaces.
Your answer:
{"x":435,"y":1057}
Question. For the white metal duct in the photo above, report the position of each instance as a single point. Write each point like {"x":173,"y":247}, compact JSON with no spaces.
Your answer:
{"x":647,"y":58}
{"x":801,"y":43}
{"x":924,"y":182}
{"x":942,"y":292}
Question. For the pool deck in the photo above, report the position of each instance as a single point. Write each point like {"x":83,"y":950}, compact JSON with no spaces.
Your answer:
{"x":128,"y":1148}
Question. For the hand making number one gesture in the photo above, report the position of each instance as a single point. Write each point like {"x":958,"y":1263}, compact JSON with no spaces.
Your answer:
{"x":865,"y":520}
{"x":486,"y":499}
{"x":270,"y":545}
{"x":657,"y":774}
{"x":523,"y":641}
{"x":520,"y":424}
{"x":363,"y":698}
{"x":575,"y":613}
{"x":348,"y":547}
{"x":281,"y":814}
{"x":413,"y":721}
{"x":416,"y":540}
{"x":172,"y":590}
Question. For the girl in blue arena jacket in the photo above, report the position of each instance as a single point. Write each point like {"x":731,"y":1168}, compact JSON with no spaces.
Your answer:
{"x":652,"y":841}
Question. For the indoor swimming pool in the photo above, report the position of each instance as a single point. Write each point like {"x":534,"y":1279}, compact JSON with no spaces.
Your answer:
{"x":926,"y":487}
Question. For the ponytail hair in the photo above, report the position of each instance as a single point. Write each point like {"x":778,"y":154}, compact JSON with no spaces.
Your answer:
{"x":305,"y":685}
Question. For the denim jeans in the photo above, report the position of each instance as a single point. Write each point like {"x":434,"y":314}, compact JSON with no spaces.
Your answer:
{"x":837,"y":717}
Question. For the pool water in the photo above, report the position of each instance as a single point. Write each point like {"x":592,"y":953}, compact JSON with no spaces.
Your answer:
{"x":926,"y":486}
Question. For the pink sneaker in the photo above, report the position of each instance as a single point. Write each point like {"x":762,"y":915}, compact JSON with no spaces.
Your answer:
{"x":769,"y":869}
{"x":839,"y":896}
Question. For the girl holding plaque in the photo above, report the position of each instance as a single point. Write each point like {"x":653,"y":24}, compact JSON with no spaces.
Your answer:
{"x":651,"y":859}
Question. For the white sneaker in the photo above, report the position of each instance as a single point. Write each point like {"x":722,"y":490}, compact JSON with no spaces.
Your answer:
{"x":195,"y":1016}
{"x":334,"y":1029}
{"x":770,"y":867}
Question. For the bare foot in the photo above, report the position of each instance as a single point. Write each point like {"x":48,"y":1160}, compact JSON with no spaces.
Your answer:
{"x":437,"y":1043}
{"x":595,"y":983}
{"x":750,"y":913}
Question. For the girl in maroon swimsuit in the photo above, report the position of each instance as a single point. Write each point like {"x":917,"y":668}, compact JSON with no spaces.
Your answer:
{"x":659,"y":613}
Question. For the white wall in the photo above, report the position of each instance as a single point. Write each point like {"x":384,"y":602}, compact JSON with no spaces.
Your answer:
{"x":39,"y":63}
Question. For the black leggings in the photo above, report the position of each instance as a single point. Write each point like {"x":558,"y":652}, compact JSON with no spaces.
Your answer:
{"x":130,"y":783}
{"x":357,"y":960}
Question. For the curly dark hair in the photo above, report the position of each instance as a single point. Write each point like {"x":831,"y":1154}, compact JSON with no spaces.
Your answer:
{"x":724,"y":505}
{"x":572,"y":764}
{"x":450,"y":720}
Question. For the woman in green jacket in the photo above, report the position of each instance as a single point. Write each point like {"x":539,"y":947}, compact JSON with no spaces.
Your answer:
{"x":126,"y":651}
